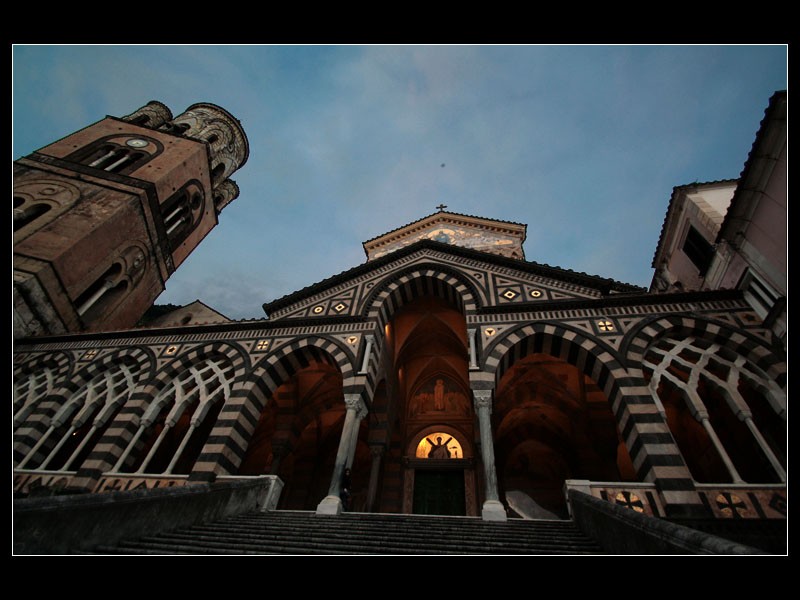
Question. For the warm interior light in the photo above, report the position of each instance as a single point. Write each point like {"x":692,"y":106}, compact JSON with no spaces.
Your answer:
{"x":427,"y":447}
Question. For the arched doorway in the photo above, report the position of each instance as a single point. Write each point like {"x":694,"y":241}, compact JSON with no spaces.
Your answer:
{"x":427,"y":397}
{"x":439,"y":476}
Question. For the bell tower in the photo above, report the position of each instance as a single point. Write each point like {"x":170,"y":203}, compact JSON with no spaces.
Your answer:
{"x":104,"y":216}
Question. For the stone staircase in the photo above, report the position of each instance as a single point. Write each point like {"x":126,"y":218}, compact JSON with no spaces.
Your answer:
{"x":306,"y":533}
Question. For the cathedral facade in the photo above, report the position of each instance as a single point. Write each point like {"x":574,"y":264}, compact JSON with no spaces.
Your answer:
{"x":447,"y":372}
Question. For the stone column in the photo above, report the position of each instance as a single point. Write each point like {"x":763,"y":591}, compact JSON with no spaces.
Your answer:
{"x":699,"y":412}
{"x":356,"y":410}
{"x":372,"y":491}
{"x":702,"y":417}
{"x":493,"y":509}
{"x":351,"y":453}
{"x":367,"y":354}
{"x":762,"y":443}
{"x":739,"y":407}
{"x":473,"y":352}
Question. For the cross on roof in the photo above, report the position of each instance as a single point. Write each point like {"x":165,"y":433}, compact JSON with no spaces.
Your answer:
{"x":441,"y":207}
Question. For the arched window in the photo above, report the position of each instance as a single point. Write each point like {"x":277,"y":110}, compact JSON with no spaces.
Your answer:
{"x":120,"y":154}
{"x":105,"y":292}
{"x":101,"y":293}
{"x":217,"y":172}
{"x":177,"y":423}
{"x":176,"y":128}
{"x":28,"y":214}
{"x":81,"y":421}
{"x":140,"y":119}
{"x":39,"y":201}
{"x":182,"y":212}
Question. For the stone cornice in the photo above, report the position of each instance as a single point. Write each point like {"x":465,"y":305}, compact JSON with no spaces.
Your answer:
{"x":236,"y":330}
{"x":619,"y":300}
{"x":253,"y":326}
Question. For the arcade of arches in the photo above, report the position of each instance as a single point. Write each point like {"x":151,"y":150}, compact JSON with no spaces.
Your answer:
{"x":551,"y":423}
{"x":419,"y":448}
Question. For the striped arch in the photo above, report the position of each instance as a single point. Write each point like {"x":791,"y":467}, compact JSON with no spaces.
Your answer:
{"x":591,"y":357}
{"x":642,"y":427}
{"x":236,"y":354}
{"x":140,"y":357}
{"x":119,"y":435}
{"x":769,"y":360}
{"x":144,"y":358}
{"x":416,"y":281}
{"x":36,"y":398}
{"x":708,"y":342}
{"x":38,"y":378}
{"x":236,"y":423}
{"x":276,"y":368}
{"x":102,"y":387}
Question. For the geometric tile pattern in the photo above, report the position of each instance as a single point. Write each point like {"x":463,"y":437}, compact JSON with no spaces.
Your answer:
{"x":745,"y":502}
{"x":489,"y":285}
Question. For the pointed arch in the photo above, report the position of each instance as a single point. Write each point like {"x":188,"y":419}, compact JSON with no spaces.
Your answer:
{"x":250,"y":394}
{"x":769,"y":359}
{"x":288,"y":358}
{"x":86,"y":406}
{"x":210,"y":370}
{"x":431,"y":328}
{"x":36,"y":399}
{"x":590,"y":356}
{"x":36,"y":379}
{"x":647,"y":438}
{"x":727,"y":414}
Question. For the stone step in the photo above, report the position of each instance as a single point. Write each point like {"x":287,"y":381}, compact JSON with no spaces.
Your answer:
{"x":301,"y":532}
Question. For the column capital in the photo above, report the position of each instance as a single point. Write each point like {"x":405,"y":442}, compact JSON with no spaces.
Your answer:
{"x":483,"y":399}
{"x":356,"y":403}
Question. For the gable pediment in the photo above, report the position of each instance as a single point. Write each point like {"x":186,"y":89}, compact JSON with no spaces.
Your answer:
{"x":492,"y":282}
{"x":502,"y":238}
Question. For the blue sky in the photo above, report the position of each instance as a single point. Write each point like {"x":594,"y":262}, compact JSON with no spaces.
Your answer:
{"x":582,"y":143}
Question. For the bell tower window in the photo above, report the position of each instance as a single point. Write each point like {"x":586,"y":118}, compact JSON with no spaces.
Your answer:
{"x":23,"y":215}
{"x":120,"y":155}
{"x":107,"y":290}
{"x":182,"y":212}
{"x":217,"y":171}
{"x":101,"y":293}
